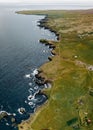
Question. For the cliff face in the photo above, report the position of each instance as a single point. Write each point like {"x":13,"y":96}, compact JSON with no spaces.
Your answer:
{"x":70,"y":100}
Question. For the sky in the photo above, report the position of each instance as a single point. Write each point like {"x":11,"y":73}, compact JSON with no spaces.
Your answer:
{"x":89,"y":2}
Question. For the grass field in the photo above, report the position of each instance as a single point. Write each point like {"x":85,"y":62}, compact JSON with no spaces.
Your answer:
{"x":70,"y":99}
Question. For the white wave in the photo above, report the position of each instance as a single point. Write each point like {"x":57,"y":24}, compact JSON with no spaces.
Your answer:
{"x":30,"y":84}
{"x":30,"y":90}
{"x":31,"y":104}
{"x":30,"y":97}
{"x":27,"y":76}
{"x":36,"y":87}
{"x":36,"y":92}
{"x":44,"y":51}
{"x":35,"y":72}
{"x":14,"y":114}
{"x":7,"y":124}
{"x":45,"y":85}
{"x":33,"y":97}
{"x":2,"y":112}
{"x":21,"y":110}
{"x":44,"y":96}
{"x":25,"y":101}
{"x":5,"y":112}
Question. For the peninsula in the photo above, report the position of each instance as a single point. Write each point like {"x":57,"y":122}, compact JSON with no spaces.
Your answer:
{"x":70,"y":99}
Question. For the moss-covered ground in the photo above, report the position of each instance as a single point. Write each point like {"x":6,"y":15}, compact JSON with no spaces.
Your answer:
{"x":70,"y":99}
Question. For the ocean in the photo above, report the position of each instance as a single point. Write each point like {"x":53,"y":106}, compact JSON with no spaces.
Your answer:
{"x":21,"y":54}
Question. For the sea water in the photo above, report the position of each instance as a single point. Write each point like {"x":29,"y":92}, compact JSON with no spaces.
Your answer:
{"x":21,"y":54}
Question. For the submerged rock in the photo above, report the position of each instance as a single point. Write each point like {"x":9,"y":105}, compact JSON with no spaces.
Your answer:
{"x":44,"y":41}
{"x":50,"y":58}
{"x":40,"y":82}
{"x":39,"y":79}
{"x":13,"y":119}
{"x":3,"y":114}
{"x":21,"y":110}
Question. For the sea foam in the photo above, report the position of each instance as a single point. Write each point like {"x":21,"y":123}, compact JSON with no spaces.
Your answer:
{"x":28,"y":76}
{"x":35,"y":72}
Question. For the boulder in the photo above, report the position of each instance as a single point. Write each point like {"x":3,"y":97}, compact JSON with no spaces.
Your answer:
{"x":21,"y":110}
{"x":50,"y":58}
{"x":3,"y":114}
{"x":13,"y":119}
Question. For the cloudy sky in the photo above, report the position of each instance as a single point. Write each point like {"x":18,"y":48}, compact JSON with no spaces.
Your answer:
{"x":50,"y":1}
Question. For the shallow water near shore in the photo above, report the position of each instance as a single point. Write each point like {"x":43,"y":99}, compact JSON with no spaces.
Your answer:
{"x":20,"y":56}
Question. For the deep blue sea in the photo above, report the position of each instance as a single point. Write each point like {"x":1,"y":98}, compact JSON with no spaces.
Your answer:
{"x":21,"y":54}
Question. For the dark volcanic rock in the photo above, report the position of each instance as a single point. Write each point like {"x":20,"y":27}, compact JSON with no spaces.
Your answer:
{"x":40,"y":81}
{"x":52,"y":46}
{"x":53,"y":53}
{"x":50,"y":58}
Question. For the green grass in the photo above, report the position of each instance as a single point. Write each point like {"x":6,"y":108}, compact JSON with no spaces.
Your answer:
{"x":69,"y":98}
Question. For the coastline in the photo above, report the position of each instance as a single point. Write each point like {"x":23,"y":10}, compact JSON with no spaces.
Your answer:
{"x":42,"y":24}
{"x":71,"y":81}
{"x":24,"y":124}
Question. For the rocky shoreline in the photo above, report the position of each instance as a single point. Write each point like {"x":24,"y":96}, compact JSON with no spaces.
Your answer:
{"x":40,"y":77}
{"x":43,"y":24}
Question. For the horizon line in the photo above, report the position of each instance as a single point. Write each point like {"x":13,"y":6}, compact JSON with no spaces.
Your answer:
{"x":46,"y":3}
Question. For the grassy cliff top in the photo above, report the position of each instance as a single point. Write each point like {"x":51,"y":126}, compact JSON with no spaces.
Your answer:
{"x":70,"y":103}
